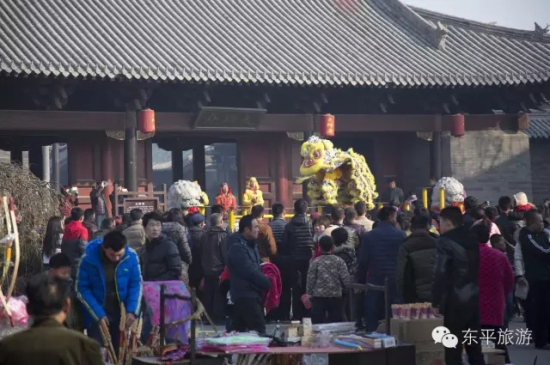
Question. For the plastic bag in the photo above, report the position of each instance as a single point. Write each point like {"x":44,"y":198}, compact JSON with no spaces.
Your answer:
{"x":19,"y":317}
{"x":18,"y":310}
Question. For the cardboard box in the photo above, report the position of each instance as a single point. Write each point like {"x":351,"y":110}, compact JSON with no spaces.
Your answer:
{"x":431,"y":358}
{"x":417,"y":332}
{"x":491,"y":356}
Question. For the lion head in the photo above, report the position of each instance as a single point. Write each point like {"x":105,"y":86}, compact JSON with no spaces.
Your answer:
{"x":317,"y":154}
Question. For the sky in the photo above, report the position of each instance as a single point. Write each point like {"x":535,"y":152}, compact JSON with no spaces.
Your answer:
{"x":519,"y":14}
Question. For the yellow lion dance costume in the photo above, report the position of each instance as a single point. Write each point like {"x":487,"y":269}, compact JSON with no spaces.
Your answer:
{"x":336,"y":176}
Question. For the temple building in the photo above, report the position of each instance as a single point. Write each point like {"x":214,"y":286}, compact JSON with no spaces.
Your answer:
{"x":258,"y":76}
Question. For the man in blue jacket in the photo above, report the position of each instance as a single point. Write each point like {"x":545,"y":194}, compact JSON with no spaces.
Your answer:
{"x":108,"y":275}
{"x":247,"y":282}
{"x":377,"y":261}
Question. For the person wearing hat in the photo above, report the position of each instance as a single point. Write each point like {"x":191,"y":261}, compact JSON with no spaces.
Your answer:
{"x":196,"y":231}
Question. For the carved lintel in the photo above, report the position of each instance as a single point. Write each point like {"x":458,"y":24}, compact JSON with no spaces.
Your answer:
{"x":120,"y":135}
{"x":229,"y":118}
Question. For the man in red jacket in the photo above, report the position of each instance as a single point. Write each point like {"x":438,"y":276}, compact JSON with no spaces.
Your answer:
{"x":75,"y":236}
{"x":74,"y":240}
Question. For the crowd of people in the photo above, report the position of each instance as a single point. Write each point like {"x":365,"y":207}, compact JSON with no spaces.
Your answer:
{"x":466,"y":262}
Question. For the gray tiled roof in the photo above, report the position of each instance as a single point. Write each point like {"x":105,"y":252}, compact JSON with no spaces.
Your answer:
{"x":324,"y":42}
{"x":539,"y":126}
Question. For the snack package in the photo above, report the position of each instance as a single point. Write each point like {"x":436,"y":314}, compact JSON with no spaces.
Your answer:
{"x":424,"y":310}
{"x":405,"y":311}
{"x":431,"y":313}
{"x":415,"y":311}
{"x":396,"y":310}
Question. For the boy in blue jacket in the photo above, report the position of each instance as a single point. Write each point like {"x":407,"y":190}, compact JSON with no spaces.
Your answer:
{"x":109,"y":274}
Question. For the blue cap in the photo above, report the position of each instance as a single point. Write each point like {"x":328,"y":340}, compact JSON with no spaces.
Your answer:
{"x":197,"y":218}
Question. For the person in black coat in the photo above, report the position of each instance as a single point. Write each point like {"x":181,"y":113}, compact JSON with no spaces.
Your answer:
{"x":196,"y":231}
{"x":278,"y":223}
{"x":160,"y":259}
{"x":455,"y":291}
{"x":534,"y":245}
{"x":296,"y":251}
{"x":213,"y":259}
{"x":416,"y":261}
{"x":470,"y":205}
{"x":378,"y":256}
{"x":247,"y":282}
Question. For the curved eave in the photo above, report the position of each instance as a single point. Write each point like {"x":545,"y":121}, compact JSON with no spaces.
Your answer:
{"x":274,"y":79}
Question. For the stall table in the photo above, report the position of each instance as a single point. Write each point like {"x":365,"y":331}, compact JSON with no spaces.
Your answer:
{"x":293,"y":355}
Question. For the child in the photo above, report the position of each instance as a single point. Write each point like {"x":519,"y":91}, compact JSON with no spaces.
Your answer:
{"x":60,"y":266}
{"x":327,"y":278}
{"x":320,"y":224}
{"x":340,"y":236}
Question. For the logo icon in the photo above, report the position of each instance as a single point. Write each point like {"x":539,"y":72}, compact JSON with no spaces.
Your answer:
{"x":449,"y":341}
{"x":443,"y":336}
{"x":439,"y":332}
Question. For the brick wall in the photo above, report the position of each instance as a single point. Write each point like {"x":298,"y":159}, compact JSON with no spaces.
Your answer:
{"x":491,"y":163}
{"x":540,"y":173}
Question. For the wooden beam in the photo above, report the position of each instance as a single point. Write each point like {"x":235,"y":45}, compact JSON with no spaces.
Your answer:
{"x":26,"y":120}
{"x":17,"y":120}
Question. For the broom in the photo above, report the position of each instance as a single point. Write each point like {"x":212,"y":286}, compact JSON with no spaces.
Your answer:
{"x":106,"y":337}
{"x":8,"y":249}
{"x":132,"y":341}
{"x":17,"y":250}
{"x":122,"y":344}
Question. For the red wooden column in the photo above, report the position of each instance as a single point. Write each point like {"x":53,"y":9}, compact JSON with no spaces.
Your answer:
{"x":282,"y":172}
{"x":107,"y":172}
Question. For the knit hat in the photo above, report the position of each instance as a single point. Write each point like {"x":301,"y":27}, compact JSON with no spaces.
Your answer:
{"x":521,"y":199}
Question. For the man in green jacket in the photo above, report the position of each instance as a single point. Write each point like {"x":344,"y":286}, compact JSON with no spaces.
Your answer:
{"x":48,"y":341}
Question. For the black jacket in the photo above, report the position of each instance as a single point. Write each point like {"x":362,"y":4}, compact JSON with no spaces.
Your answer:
{"x":74,"y":249}
{"x":298,"y":239}
{"x":160,"y":260}
{"x":195,"y":269}
{"x":213,"y":250}
{"x":278,"y":228}
{"x":415,"y":267}
{"x":455,"y":286}
{"x":508,"y":224}
{"x":535,"y":248}
{"x":178,"y":234}
{"x":378,"y":254}
{"x":243,"y":262}
{"x":468,"y":220}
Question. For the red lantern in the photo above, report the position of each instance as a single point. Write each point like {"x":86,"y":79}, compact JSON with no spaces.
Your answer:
{"x":457,"y":125}
{"x":328,"y":125}
{"x":147,"y":121}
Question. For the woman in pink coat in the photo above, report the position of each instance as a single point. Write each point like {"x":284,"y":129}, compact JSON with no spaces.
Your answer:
{"x":496,"y":281}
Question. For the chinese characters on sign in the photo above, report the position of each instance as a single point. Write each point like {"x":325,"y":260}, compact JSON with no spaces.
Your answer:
{"x":146,"y":205}
{"x":504,"y":337}
{"x":485,"y":337}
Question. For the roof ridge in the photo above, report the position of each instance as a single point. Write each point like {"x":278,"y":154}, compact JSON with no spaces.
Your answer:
{"x":478,"y":25}
{"x":436,"y":34}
